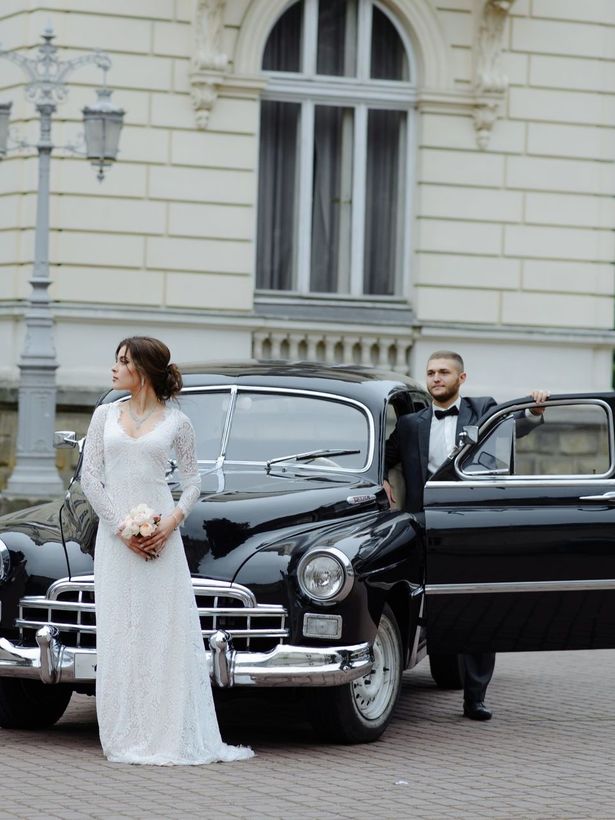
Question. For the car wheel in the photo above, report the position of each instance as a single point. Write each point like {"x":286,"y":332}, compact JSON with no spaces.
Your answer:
{"x":31,"y":704}
{"x":360,"y":711}
{"x":447,"y":671}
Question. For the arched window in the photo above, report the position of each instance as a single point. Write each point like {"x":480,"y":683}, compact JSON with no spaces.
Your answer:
{"x":333,"y":210}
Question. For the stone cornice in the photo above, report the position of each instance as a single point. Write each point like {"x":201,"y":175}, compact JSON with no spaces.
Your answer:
{"x":575,"y":337}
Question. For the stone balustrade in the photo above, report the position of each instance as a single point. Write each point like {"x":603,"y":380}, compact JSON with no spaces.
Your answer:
{"x":387,"y":352}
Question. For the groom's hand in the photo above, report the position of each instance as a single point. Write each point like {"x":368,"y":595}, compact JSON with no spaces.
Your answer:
{"x":539,"y":396}
{"x":389,"y":491}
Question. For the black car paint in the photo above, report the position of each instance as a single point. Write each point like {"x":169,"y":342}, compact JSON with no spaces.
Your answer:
{"x":251,"y":526}
{"x":514,"y":532}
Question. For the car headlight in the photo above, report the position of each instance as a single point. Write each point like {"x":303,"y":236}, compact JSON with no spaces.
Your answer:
{"x":325,"y":575}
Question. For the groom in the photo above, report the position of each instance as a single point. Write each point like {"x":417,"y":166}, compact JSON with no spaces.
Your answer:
{"x":421,"y":442}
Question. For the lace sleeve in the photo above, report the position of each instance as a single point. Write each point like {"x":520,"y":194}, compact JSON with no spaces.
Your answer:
{"x":93,"y":470}
{"x":188,"y":466}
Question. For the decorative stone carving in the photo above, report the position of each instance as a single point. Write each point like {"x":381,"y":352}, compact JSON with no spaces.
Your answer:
{"x":209,"y":29}
{"x":485,"y":114}
{"x":490,"y":81}
{"x":209,"y":62}
{"x":204,"y":94}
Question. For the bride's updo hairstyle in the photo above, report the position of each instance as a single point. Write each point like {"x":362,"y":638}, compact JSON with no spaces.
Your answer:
{"x":152,"y":359}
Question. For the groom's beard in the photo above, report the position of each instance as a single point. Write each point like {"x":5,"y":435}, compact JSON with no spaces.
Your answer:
{"x":442,"y":394}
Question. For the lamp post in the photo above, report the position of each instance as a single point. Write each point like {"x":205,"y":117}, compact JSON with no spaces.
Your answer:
{"x":35,"y":474}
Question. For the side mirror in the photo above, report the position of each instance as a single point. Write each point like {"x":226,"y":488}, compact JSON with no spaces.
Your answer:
{"x":469,"y":435}
{"x":65,"y":439}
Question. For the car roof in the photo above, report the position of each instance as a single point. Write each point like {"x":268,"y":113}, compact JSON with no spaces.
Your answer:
{"x":355,"y":381}
{"x":347,"y":379}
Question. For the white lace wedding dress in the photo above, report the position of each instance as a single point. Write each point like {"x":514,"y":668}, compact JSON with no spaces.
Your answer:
{"x":153,"y":693}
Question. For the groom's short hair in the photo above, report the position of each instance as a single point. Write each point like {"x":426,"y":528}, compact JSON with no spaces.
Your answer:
{"x":448,"y":354}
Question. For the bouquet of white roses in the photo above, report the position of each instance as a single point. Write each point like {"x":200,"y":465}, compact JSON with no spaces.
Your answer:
{"x":141,"y":521}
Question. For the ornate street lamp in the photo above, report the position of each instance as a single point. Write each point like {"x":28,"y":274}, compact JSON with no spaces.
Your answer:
{"x":103,"y":123}
{"x":35,"y":474}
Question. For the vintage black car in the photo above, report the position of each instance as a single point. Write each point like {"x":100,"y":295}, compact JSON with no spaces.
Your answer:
{"x":305,"y":577}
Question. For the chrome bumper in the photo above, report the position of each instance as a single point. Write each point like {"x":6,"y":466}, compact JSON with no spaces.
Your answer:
{"x":285,"y":665}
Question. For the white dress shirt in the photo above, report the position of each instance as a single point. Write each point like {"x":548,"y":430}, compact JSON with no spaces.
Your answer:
{"x":441,"y":437}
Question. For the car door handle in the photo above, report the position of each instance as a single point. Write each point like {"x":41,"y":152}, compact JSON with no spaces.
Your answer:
{"x":608,"y":498}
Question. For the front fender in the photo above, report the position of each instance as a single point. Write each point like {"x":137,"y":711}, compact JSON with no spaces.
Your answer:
{"x":386,"y":554}
{"x":37,"y":558}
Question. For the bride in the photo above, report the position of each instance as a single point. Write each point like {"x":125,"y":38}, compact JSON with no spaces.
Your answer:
{"x":153,"y":693}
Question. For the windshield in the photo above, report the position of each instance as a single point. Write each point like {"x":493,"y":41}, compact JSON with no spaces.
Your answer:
{"x":267,"y":425}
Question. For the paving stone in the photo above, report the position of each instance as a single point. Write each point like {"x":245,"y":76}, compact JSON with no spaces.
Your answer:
{"x":548,"y":753}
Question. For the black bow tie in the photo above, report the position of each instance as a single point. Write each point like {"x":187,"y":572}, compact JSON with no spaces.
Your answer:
{"x":452,"y":411}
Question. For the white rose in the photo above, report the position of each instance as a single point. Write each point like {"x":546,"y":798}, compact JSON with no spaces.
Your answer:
{"x":147,"y":529}
{"x":128,"y":528}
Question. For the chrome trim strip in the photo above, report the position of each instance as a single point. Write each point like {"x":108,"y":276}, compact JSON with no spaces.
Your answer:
{"x":5,"y":561}
{"x":524,"y":482}
{"x":226,"y":432}
{"x":76,"y":584}
{"x":521,"y":586}
{"x":38,"y":601}
{"x":27,"y":624}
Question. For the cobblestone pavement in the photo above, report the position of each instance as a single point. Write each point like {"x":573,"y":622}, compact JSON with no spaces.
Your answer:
{"x":549,"y":752}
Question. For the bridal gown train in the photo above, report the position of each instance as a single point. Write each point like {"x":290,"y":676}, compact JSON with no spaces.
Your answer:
{"x":153,"y":693}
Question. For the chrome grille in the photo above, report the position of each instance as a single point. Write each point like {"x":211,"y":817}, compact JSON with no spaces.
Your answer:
{"x":69,"y":605}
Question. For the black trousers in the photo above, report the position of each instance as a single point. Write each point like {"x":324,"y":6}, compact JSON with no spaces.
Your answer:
{"x":478,"y":670}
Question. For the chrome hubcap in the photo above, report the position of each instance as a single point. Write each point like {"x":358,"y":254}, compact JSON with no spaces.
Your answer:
{"x":373,"y":693}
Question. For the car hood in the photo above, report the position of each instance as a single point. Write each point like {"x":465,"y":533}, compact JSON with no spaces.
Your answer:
{"x":240,"y":512}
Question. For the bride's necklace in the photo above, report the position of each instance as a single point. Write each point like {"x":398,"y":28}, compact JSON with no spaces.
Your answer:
{"x":139,"y":421}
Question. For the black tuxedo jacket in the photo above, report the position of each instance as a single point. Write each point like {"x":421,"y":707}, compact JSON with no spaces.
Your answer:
{"x":408,"y":444}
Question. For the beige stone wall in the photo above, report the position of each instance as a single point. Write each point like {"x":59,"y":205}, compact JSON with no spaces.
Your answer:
{"x":165,"y":244}
{"x":522,"y":234}
{"x":513,"y":246}
{"x":172,"y":225}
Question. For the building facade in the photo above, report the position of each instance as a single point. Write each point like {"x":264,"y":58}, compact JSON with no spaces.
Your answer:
{"x":343,"y":180}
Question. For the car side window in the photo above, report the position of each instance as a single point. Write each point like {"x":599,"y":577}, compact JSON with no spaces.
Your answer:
{"x":399,"y":405}
{"x":496,"y":453}
{"x":390,"y":420}
{"x":574,"y":440}
{"x":570,"y":440}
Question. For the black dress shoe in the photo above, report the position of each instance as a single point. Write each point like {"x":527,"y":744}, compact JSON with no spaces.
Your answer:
{"x":476,"y":711}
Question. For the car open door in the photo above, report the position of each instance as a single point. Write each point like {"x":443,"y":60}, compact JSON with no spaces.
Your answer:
{"x":520,"y":534}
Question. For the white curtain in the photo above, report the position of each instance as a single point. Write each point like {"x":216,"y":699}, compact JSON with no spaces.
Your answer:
{"x":277,"y":200}
{"x":384,"y":186}
{"x":331,"y":199}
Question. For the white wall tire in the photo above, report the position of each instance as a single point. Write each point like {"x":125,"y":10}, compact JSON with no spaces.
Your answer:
{"x":360,"y":711}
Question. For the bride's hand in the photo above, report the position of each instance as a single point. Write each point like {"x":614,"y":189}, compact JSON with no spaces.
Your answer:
{"x":136,"y":545}
{"x":154,"y":545}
